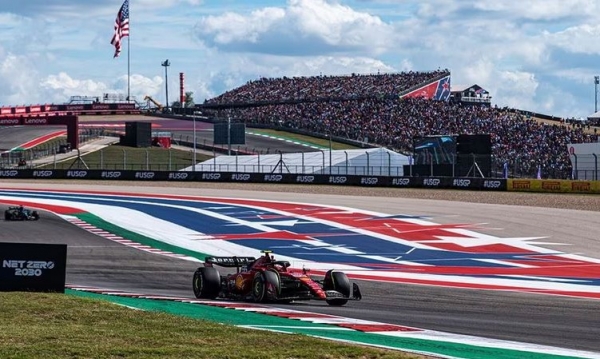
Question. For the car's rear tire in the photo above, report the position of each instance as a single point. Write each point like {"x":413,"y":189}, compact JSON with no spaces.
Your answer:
{"x":339,"y":282}
{"x":261,"y":284}
{"x":206,"y":283}
{"x":35,"y":215}
{"x":6,"y":215}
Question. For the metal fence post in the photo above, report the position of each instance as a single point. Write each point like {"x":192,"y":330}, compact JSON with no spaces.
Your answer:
{"x":346,"y":153}
{"x":124,"y":159}
{"x":368,"y":163}
{"x":215,"y":159}
{"x":595,"y":167}
{"x":147,"y":159}
{"x":389,"y":164}
{"x":102,"y":158}
{"x":323,"y":168}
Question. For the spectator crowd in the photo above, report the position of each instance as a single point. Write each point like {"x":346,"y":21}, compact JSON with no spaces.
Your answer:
{"x":523,"y":143}
{"x":278,"y":90}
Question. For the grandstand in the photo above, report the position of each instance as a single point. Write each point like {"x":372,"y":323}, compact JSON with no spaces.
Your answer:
{"x":316,"y":88}
{"x":389,"y":110}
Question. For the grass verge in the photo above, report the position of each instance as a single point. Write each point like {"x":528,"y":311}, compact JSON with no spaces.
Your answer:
{"x":305,"y":139}
{"x":51,"y":326}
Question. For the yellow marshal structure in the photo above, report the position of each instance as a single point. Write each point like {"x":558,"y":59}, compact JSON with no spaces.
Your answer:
{"x":556,"y":186}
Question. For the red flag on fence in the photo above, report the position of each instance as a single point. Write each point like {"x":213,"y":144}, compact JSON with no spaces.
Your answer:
{"x":121,"y":27}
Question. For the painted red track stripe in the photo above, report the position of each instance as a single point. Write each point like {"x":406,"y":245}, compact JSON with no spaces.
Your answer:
{"x":42,"y":139}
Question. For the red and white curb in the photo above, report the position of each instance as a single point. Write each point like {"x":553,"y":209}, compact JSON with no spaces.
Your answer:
{"x":366,"y":326}
{"x":116,"y":238}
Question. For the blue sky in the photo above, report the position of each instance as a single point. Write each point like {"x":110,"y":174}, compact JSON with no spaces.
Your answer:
{"x":533,"y":55}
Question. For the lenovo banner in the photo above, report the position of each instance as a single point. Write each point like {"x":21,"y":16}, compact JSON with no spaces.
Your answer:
{"x":33,"y":267}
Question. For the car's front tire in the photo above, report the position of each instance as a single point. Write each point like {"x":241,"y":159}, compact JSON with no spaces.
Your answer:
{"x":339,"y":282}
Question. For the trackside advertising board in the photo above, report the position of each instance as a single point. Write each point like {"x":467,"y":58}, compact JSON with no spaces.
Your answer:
{"x":486,"y":184}
{"x":556,"y":186}
{"x":33,"y":267}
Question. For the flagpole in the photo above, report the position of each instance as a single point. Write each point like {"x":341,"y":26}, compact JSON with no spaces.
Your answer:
{"x":128,"y":71}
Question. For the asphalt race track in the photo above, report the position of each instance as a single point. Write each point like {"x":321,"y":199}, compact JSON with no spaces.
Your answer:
{"x":11,"y":137}
{"x":541,"y":319}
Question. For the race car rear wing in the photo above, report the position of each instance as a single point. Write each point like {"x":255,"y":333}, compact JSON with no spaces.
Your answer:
{"x":231,"y":262}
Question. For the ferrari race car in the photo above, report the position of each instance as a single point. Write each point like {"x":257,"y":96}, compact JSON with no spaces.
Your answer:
{"x":18,"y":213}
{"x":267,"y":280}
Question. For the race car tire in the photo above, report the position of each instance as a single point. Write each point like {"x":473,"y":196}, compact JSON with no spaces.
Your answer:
{"x":261,"y":283}
{"x":206,"y":283}
{"x":6,"y":215}
{"x":337,"y":281}
{"x":35,"y":215}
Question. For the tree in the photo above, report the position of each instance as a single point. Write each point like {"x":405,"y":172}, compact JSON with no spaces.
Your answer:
{"x":189,"y":100}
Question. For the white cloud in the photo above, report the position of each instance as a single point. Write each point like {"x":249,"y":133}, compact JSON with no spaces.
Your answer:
{"x":578,"y":39}
{"x":19,"y":79}
{"x":517,"y":88}
{"x":62,"y":86}
{"x":301,"y":28}
{"x":541,"y":10}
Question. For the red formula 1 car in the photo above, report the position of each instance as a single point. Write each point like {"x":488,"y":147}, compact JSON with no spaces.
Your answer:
{"x":267,"y":280}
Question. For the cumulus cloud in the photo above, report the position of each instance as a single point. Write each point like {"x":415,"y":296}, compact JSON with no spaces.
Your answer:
{"x":303,"y":27}
{"x":521,"y":88}
{"x":19,"y":79}
{"x":62,"y":86}
{"x":577,"y":39}
{"x":536,"y":10}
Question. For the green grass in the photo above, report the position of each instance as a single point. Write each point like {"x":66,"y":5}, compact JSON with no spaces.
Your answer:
{"x":302,"y":138}
{"x":117,"y":157}
{"x":52,"y":326}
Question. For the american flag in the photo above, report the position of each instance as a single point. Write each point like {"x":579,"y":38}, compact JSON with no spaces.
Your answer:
{"x":121,"y":27}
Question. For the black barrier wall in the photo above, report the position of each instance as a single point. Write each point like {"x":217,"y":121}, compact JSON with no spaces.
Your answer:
{"x":33,"y":267}
{"x":491,"y":184}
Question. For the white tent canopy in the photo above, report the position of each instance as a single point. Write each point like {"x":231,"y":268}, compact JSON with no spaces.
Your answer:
{"x":372,"y":161}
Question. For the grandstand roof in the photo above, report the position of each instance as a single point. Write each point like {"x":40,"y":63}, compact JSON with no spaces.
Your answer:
{"x":372,"y":161}
{"x":594,"y":116}
{"x":461,"y":88}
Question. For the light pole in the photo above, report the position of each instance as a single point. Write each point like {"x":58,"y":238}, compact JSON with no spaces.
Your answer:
{"x":596,"y":82}
{"x":166,"y":65}
{"x":194,"y":155}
